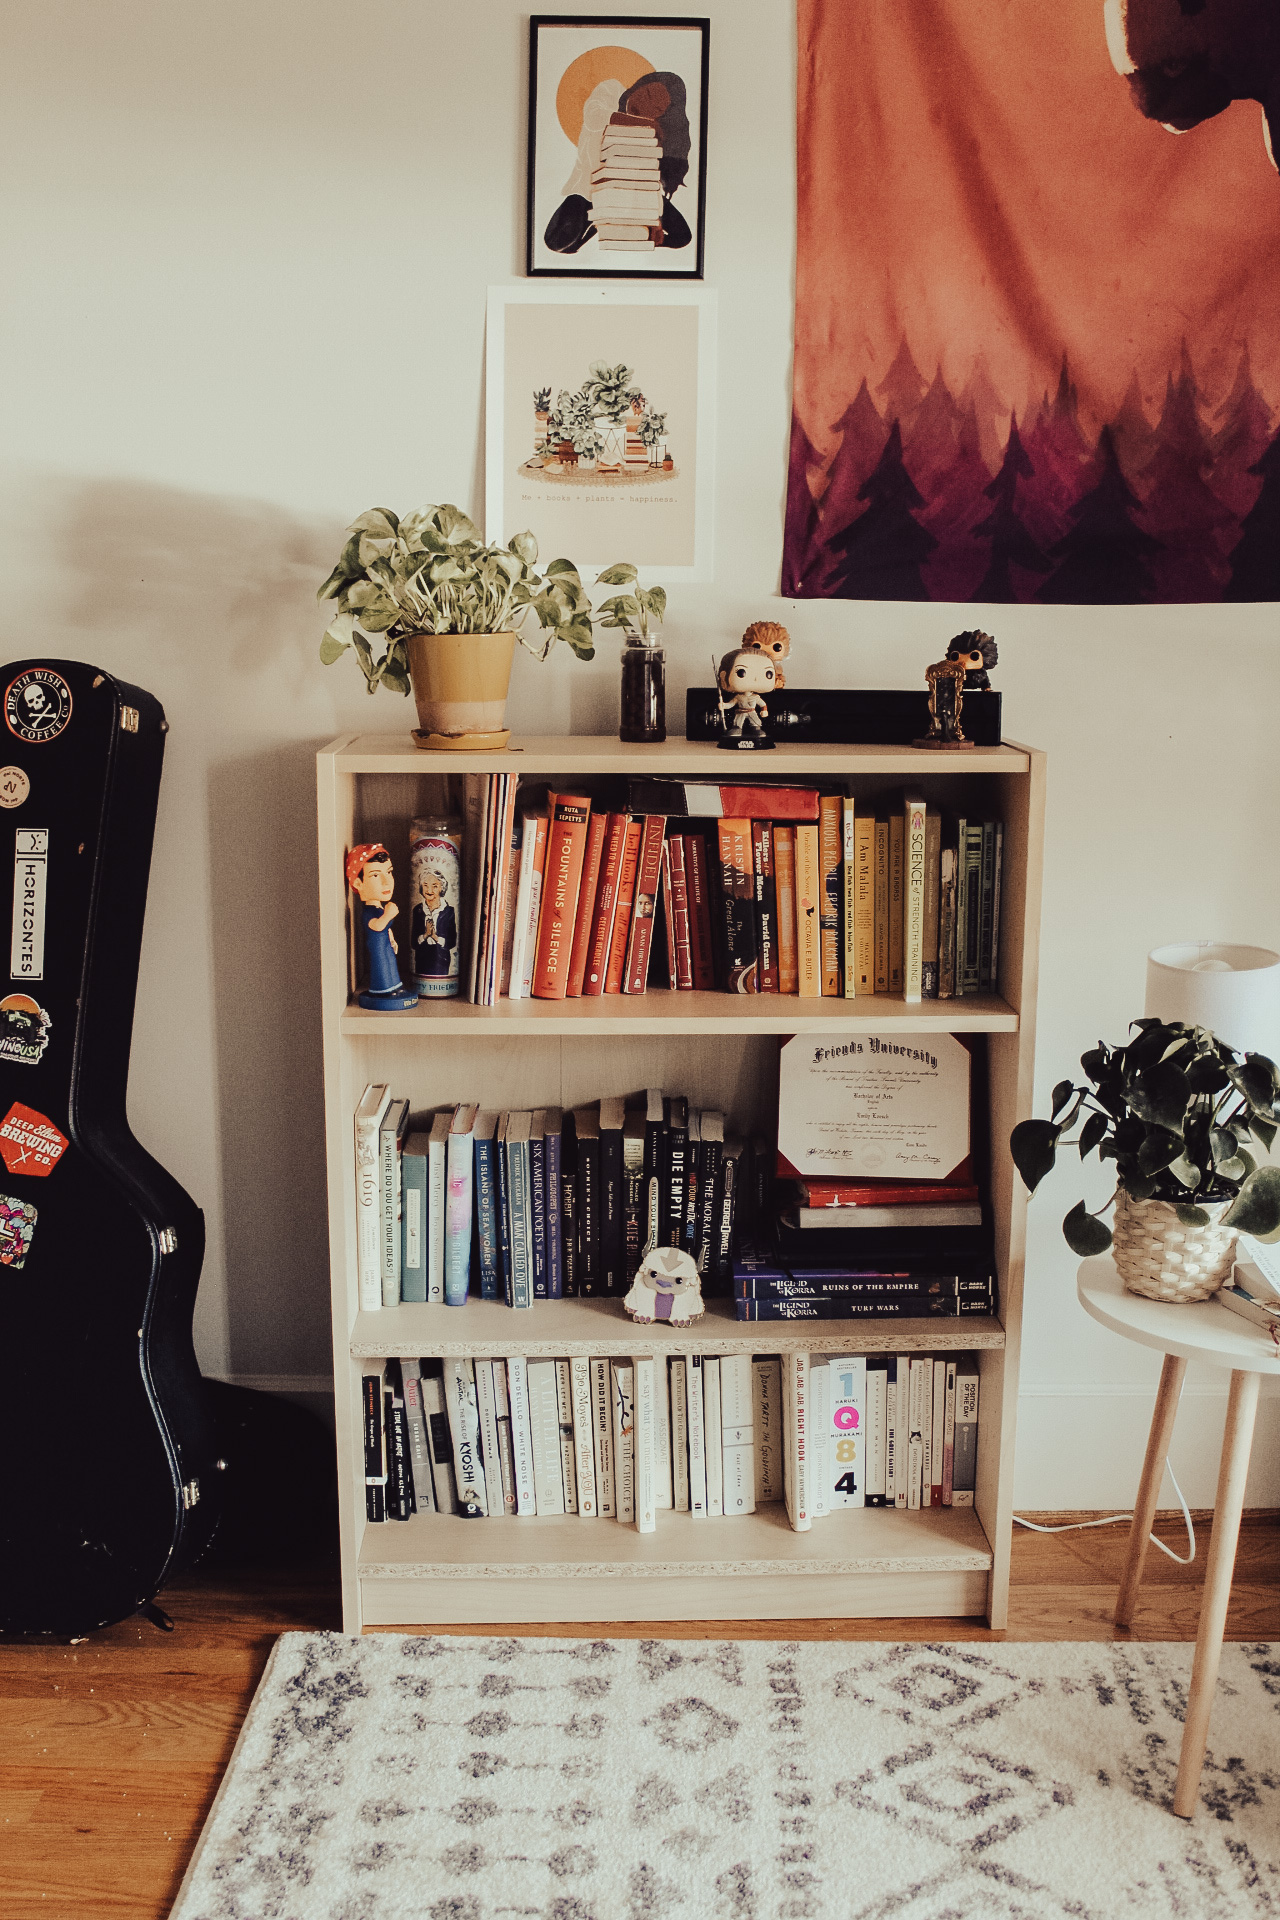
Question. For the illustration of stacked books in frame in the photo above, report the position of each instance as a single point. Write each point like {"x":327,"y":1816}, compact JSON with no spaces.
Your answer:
{"x":626,"y":188}
{"x":710,"y":1435}
{"x":695,"y":885}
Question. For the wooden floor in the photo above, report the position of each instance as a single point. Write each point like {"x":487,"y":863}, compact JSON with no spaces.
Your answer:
{"x":111,"y":1751}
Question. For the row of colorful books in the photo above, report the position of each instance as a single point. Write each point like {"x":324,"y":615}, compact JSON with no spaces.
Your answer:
{"x":762,"y":889}
{"x":703,"y":1434}
{"x":529,"y":1206}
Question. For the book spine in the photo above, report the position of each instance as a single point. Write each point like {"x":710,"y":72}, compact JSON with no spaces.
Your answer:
{"x":679,"y":1390}
{"x":481,"y":876}
{"x":439,"y":1436}
{"x":644,"y":1443}
{"x":677,"y":1184}
{"x":784,"y":860}
{"x":714,"y":1435}
{"x":389,"y":1208}
{"x":538,"y":1213}
{"x":501,"y":1159}
{"x":947,"y":924}
{"x":506,"y":1451}
{"x":830,"y":888}
{"x":521,"y":1435}
{"x":633,"y":1199}
{"x":413,"y":1202}
{"x":525,"y":907}
{"x":457,"y":1261}
{"x":553,"y":1176}
{"x":915,"y":1431}
{"x":937,"y":1436}
{"x":602,"y":1437}
{"x":737,"y":906}
{"x":584,"y":917}
{"x":964,"y":1472}
{"x":669,"y":916}
{"x":486,"y":1217}
{"x":464,"y":1425}
{"x":893,"y":1481}
{"x":512,"y":896}
{"x":619,"y":946}
{"x":766,"y":892}
{"x":819,"y":1435}
{"x":864,"y":936}
{"x":913,"y":900}
{"x":874,"y":1469}
{"x":795,"y":1402}
{"x":994,"y":948}
{"x":808,"y":915}
{"x":730,"y":1174}
{"x":897,"y":874}
{"x":881,"y":890}
{"x":703,"y":955}
{"x":569,"y":1206}
{"x":681,"y":923}
{"x":766,"y":1413}
{"x":584,"y":1466}
{"x":910,"y":1307}
{"x":521,"y":1221}
{"x":544,"y":1429}
{"x":695,"y":1413}
{"x":970,"y":930}
{"x":837,"y":1194}
{"x":568,"y":1449}
{"x":437,"y":1215}
{"x":738,"y":1433}
{"x":930,"y":973}
{"x":419,"y":1440}
{"x":590,"y":1276}
{"x":606,"y":905}
{"x":849,"y":897}
{"x":624,"y":1443}
{"x":561,"y":875}
{"x":709,"y":1184}
{"x":368,"y":1214}
{"x":490,"y":1454}
{"x":375,"y":1457}
{"x":949,"y":1436}
{"x":848,"y":1467}
{"x":399,"y":1495}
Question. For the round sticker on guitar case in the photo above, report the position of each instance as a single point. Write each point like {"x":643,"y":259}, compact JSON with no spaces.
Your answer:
{"x":14,"y":786}
{"x":37,"y":705}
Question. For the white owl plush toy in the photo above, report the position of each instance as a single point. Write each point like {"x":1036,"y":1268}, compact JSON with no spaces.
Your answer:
{"x":666,"y":1287}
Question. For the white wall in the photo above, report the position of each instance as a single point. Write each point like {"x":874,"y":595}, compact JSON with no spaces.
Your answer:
{"x":248,"y":247}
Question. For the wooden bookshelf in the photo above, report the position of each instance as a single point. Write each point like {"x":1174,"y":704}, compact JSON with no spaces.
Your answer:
{"x":721,"y":1050}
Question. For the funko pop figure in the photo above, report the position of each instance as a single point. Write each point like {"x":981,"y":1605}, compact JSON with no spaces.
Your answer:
{"x":372,"y":880}
{"x":978,"y":652}
{"x":744,"y":677}
{"x":766,"y":636}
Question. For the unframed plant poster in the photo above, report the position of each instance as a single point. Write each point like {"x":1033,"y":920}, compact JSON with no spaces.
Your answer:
{"x":600,"y":434}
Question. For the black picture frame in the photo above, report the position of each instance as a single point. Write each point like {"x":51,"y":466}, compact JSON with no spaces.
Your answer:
{"x":612,"y":22}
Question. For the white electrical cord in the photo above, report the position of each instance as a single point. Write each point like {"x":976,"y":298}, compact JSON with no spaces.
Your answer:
{"x":1075,"y":1526}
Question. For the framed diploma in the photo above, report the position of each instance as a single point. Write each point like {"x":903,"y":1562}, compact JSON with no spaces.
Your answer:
{"x":872,"y":1106}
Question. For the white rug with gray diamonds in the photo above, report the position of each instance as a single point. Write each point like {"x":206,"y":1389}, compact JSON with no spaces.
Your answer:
{"x":443,"y":1778}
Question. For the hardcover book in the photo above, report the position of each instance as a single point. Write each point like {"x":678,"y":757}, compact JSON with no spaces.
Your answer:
{"x":413,"y":1207}
{"x":784,"y":860}
{"x":698,"y":872}
{"x":830,"y":888}
{"x":612,"y":1197}
{"x":437,"y":1203}
{"x":459,"y":1176}
{"x":606,"y":904}
{"x":553,"y":1179}
{"x":808,"y":914}
{"x":368,"y":1122}
{"x":913,"y":898}
{"x":648,"y":878}
{"x":391,"y":1136}
{"x":619,"y":946}
{"x":486,"y":1204}
{"x":584,"y":914}
{"x":568,"y":814}
{"x":586,"y":1123}
{"x":766,"y":898}
{"x":538,"y":1202}
{"x":737,"y":907}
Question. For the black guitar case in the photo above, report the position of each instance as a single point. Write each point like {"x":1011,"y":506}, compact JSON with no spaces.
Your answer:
{"x":108,"y":1478}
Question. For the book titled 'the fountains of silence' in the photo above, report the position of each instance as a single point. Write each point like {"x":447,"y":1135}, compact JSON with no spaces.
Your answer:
{"x":713,"y":1436}
{"x":693,"y":885}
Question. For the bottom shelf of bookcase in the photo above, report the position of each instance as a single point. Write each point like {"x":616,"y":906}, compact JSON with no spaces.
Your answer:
{"x":868,"y":1563}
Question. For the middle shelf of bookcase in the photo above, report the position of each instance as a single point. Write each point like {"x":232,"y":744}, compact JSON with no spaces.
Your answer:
{"x":663,"y":1012}
{"x":598,"y":1328}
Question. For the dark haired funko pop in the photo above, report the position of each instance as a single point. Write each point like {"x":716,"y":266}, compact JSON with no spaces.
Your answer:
{"x":744,"y":677}
{"x":978,"y":651}
{"x":963,"y":671}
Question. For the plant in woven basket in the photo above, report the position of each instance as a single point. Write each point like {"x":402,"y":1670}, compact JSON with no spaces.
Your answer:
{"x":1175,"y":1109}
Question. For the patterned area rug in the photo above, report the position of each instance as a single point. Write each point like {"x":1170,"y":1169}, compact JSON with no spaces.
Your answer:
{"x":468,"y":1779}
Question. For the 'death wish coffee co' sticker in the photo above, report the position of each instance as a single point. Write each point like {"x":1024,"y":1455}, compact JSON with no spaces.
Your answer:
{"x":37,"y":705}
{"x":17,"y":1225}
{"x":24,"y":1029}
{"x":29,"y":1141}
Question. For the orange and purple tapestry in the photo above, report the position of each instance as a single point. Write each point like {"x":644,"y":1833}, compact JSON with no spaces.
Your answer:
{"x":1037,"y":345}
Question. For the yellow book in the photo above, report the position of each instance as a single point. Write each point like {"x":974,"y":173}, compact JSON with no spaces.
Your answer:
{"x":896,"y":831}
{"x":830,"y":838}
{"x":864,"y":904}
{"x":808,"y":918}
{"x":849,"y":890}
{"x":882,"y":906}
{"x":913,"y":813}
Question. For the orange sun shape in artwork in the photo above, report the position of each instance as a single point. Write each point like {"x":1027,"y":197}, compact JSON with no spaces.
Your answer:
{"x":583,"y":75}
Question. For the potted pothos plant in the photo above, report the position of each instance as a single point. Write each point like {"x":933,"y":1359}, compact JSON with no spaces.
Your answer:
{"x":446,"y":610}
{"x":1179,"y":1113}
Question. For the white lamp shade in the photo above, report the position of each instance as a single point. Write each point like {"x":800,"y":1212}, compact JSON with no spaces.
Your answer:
{"x":1233,"y":991}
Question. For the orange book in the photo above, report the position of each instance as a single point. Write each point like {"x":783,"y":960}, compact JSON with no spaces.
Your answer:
{"x":567,"y":816}
{"x":597,"y":827}
{"x":784,"y":862}
{"x":622,"y":914}
{"x":606,"y":906}
{"x":830,"y":877}
{"x":648,"y":880}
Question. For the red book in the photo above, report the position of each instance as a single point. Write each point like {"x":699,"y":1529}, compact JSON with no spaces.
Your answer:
{"x":648,"y":880}
{"x":679,"y":912}
{"x":704,"y":965}
{"x":597,"y":828}
{"x":766,"y":904}
{"x":606,"y":906}
{"x":622,"y":915}
{"x":862,"y":1193}
{"x":668,"y":914}
{"x":567,"y":816}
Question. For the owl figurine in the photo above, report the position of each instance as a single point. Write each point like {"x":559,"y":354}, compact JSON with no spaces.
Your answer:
{"x":666,"y":1287}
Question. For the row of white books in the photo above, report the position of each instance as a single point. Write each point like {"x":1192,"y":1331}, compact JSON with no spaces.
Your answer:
{"x":705,"y":1434}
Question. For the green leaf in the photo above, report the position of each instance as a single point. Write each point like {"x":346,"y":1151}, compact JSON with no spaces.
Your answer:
{"x":525,"y":548}
{"x":1184,"y":1171}
{"x":334,"y":584}
{"x":379,"y":521}
{"x":1061,"y":1094}
{"x":656,"y":601}
{"x":1160,"y":1096}
{"x":1159,"y":1149}
{"x":1191,"y":1216}
{"x":1256,"y":1208}
{"x":1084,"y":1233}
{"x":1096,"y":1061}
{"x":1254,"y":1079}
{"x":1093,"y":1130}
{"x":1140,"y":1186}
{"x":1034,"y":1146}
{"x":1206,"y":1074}
{"x":332,"y":649}
{"x":621,"y":574}
{"x":1264,"y":1129}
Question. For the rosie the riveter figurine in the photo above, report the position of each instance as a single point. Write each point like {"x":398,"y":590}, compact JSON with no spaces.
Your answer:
{"x":370,"y":878}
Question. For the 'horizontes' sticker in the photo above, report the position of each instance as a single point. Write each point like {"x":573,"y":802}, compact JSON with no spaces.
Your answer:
{"x":30,"y":869}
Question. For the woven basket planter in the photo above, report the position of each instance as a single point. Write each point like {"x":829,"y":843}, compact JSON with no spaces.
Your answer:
{"x":1158,"y":1257}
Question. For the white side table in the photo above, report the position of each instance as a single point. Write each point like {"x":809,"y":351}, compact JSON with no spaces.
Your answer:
{"x":1208,"y":1332}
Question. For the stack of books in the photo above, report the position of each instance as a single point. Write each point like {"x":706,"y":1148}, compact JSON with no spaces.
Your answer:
{"x":768,"y":1287}
{"x":626,"y":188}
{"x":542,"y":1205}
{"x":713,"y":1436}
{"x":1254,"y":1289}
{"x":760,"y":889}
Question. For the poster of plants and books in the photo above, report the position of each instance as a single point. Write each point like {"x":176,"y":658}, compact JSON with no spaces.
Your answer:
{"x":1037,"y":338}
{"x":598,"y":424}
{"x":617,"y":146}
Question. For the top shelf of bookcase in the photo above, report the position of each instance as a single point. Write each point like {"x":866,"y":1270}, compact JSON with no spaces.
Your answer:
{"x":604,"y":753}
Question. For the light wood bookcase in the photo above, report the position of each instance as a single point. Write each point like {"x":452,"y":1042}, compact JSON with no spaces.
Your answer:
{"x":720,"y":1050}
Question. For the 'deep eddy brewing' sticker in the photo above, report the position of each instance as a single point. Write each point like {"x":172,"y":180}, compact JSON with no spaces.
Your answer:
{"x":17,"y":1227}
{"x":37,"y":705}
{"x":24,"y":1029}
{"x":29,"y":1141}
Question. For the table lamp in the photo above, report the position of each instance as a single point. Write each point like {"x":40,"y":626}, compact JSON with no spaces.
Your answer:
{"x":1233,"y":991}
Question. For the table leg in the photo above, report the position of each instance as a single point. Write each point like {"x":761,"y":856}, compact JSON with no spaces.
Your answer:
{"x":1144,"y":1507}
{"x":1242,"y":1406}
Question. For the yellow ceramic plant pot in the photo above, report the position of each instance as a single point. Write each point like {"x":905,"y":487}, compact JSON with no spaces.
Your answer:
{"x":460,"y":683}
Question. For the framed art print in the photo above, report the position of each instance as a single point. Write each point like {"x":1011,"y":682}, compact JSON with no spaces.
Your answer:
{"x":600,"y":425}
{"x":617,"y":146}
